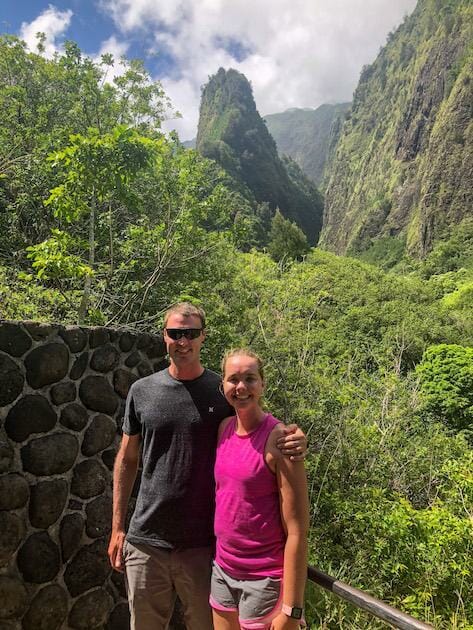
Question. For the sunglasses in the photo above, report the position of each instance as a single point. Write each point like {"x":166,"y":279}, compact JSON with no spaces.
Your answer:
{"x":179,"y":333}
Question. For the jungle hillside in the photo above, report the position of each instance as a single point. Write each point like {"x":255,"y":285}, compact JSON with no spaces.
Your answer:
{"x":367,"y":338}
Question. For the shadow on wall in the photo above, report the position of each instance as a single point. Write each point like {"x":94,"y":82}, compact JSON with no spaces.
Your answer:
{"x":62,"y":398}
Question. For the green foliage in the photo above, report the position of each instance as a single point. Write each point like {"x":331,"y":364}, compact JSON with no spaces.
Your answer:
{"x":446,"y":379}
{"x":286,"y":240}
{"x":308,"y":136}
{"x":232,"y":132}
{"x":53,"y":258}
{"x":405,"y":142}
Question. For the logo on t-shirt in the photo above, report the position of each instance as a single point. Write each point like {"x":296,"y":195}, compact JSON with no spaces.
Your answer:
{"x":211,"y":409}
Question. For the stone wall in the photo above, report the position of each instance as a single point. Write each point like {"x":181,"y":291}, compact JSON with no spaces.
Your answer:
{"x":62,"y":397}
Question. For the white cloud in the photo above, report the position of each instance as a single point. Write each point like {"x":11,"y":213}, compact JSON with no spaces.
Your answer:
{"x":53,"y":23}
{"x":300,"y":53}
{"x":115,"y":48}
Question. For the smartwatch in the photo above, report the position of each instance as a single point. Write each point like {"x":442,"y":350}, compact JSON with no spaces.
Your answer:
{"x":295,"y":612}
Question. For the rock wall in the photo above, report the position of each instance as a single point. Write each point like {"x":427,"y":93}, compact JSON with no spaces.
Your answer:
{"x":62,"y":397}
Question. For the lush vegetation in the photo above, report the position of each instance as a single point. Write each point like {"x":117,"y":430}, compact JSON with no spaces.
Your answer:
{"x":402,"y":164}
{"x":232,"y":132}
{"x":106,"y":220}
{"x":308,"y":136}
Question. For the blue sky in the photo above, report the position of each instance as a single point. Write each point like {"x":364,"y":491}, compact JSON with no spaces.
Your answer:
{"x":296,"y":53}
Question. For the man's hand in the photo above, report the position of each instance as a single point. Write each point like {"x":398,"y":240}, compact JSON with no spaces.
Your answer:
{"x":115,"y":550}
{"x":293,"y":443}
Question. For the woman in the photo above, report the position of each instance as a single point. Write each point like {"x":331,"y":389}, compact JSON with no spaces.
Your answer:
{"x":261,"y":518}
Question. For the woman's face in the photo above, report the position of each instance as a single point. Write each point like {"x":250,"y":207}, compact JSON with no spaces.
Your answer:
{"x":242,"y":382}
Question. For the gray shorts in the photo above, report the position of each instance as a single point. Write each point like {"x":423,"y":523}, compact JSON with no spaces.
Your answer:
{"x":257,"y":602}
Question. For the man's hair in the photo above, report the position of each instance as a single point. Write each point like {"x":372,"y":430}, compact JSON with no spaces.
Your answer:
{"x":243,"y":352}
{"x":187,"y":310}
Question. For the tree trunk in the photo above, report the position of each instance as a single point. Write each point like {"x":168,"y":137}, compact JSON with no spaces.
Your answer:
{"x":84,"y":303}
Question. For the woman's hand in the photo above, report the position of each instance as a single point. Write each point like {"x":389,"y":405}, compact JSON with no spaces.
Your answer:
{"x":293,"y":444}
{"x":283,"y":622}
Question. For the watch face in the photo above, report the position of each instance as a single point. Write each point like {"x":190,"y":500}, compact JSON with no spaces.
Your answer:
{"x":296,"y":613}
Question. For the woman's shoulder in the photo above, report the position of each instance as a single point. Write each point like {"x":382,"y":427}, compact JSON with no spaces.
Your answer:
{"x":223,"y":425}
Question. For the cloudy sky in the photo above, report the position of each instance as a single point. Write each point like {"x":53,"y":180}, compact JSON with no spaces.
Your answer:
{"x":296,"y":53}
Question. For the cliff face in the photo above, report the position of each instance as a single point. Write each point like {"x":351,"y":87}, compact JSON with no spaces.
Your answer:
{"x":403,"y":164}
{"x":308,"y":136}
{"x":232,"y":132}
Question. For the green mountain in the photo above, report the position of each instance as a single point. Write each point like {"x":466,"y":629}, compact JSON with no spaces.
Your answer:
{"x":308,"y":136}
{"x":403,"y":164}
{"x":232,"y":132}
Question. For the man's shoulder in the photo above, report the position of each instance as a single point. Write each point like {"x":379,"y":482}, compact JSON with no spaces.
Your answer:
{"x":150,"y":382}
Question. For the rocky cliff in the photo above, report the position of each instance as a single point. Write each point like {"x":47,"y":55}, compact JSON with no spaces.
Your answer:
{"x":232,"y":132}
{"x":403,"y":166}
{"x":308,"y":136}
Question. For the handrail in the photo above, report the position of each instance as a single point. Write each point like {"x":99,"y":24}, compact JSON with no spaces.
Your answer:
{"x":362,"y":600}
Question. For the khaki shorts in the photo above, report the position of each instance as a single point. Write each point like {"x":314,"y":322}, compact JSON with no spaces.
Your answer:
{"x":153,"y":578}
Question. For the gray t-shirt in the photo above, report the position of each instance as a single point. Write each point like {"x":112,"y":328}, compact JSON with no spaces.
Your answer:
{"x":178,"y":422}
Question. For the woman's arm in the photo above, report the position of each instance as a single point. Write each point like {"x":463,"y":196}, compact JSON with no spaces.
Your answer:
{"x":293,"y":496}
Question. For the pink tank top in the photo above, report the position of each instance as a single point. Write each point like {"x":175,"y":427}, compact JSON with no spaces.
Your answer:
{"x":248,"y":527}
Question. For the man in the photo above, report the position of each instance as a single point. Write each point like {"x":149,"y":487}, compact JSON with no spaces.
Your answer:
{"x":173,"y":417}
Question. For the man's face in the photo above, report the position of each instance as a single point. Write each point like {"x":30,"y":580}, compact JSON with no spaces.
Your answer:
{"x":184,"y":352}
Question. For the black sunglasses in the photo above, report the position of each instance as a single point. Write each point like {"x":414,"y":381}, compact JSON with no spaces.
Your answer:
{"x":178,"y":333}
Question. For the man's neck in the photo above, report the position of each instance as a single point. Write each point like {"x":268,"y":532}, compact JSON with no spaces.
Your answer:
{"x":187,"y":372}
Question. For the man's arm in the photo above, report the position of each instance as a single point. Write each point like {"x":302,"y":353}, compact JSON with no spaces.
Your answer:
{"x":124,"y":475}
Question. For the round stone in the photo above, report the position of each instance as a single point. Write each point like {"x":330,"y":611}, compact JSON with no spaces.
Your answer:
{"x":13,"y":339}
{"x":99,"y":517}
{"x":75,"y":337}
{"x":50,"y":455}
{"x":99,"y":435}
{"x":133,"y":359}
{"x":160,"y":365}
{"x":88,"y":568}
{"x":79,"y":366}
{"x":127,"y":340}
{"x":144,"y":341}
{"x":40,"y":331}
{"x":31,"y":414}
{"x":13,"y":598}
{"x":63,"y":392}
{"x":74,"y":417}
{"x":47,"y":502}
{"x":91,"y":610}
{"x":6,"y":456}
{"x":70,"y":534}
{"x":105,"y":358}
{"x":119,"y":618}
{"x":38,"y":558}
{"x":108,"y":458}
{"x":96,"y":393}
{"x":12,"y":532}
{"x":11,"y":380}
{"x":145,"y":369}
{"x":157,"y":348}
{"x":122,"y":381}
{"x":89,"y":479}
{"x":14,"y":492}
{"x":47,"y":364}
{"x":118,"y":582}
{"x":98,"y":337}
{"x":48,"y":609}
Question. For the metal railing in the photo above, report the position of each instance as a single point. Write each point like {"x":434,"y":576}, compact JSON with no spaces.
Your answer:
{"x":362,"y":600}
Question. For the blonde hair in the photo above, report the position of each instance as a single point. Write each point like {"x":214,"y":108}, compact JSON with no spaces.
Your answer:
{"x":187,"y":310}
{"x":242,"y":352}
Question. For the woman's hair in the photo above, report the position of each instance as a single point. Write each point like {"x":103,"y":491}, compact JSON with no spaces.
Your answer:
{"x":242,"y":352}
